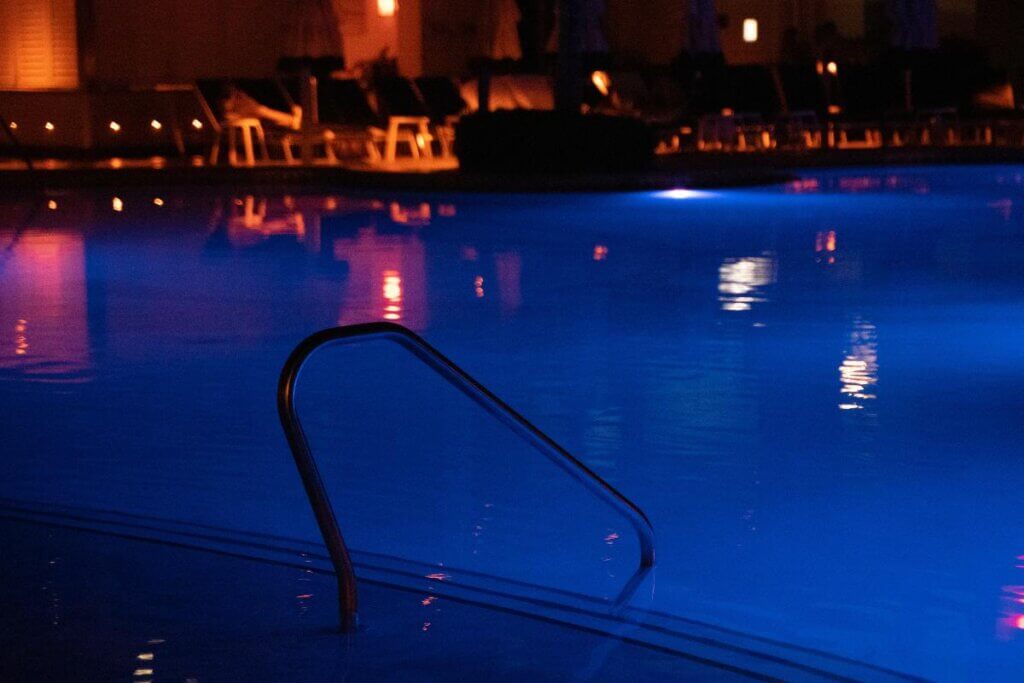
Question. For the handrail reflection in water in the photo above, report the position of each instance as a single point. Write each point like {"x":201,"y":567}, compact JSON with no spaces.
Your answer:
{"x":457,"y":377}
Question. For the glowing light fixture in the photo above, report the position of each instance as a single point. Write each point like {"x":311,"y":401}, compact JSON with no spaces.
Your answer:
{"x":117,"y":204}
{"x":115,"y":126}
{"x":833,"y":68}
{"x":13,"y":125}
{"x":155,"y":125}
{"x":197,"y":124}
{"x":49,"y":126}
{"x":602,"y":82}
{"x":157,"y":201}
{"x":387,"y":8}
{"x":51,"y":205}
{"x":750,"y":30}
{"x":683,"y":193}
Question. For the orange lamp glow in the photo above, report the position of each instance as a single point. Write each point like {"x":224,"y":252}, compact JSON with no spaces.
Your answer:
{"x":13,"y":125}
{"x":197,"y":124}
{"x":155,"y":125}
{"x":117,"y":204}
{"x":833,"y":68}
{"x":115,"y":126}
{"x":602,"y":82}
{"x":387,"y":8}
{"x":49,"y":127}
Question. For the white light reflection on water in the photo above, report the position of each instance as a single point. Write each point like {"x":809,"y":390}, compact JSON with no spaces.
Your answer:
{"x":740,"y":281}
{"x":858,"y":373}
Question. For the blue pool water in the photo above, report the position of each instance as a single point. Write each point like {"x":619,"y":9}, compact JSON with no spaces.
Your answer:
{"x":812,"y":389}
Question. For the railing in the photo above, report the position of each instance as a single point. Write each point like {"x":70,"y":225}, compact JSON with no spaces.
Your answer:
{"x":314,"y":486}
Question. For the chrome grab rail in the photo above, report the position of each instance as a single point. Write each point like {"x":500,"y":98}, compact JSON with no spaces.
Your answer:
{"x":457,"y":377}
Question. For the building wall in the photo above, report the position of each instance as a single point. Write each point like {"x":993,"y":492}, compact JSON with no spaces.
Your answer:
{"x":152,"y":41}
{"x":38,"y":45}
{"x":1000,"y":25}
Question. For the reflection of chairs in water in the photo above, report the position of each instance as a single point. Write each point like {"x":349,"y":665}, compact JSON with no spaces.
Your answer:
{"x":241,"y":107}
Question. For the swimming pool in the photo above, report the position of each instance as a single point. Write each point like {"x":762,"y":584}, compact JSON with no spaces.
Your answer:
{"x":812,"y":389}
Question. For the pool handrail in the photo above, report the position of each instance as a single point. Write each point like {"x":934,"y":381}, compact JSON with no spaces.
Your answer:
{"x":460,"y":379}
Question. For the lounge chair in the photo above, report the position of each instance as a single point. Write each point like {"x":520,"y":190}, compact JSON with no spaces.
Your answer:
{"x":242,"y":107}
{"x":400,"y":101}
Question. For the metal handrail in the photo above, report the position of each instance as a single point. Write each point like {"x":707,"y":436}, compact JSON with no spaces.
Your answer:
{"x":314,"y":486}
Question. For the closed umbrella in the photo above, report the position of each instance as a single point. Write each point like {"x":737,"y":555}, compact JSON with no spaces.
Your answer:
{"x":704,"y":28}
{"x":914,"y":25}
{"x":313,"y":35}
{"x":312,"y":45}
{"x":502,"y":33}
{"x":591,"y":20}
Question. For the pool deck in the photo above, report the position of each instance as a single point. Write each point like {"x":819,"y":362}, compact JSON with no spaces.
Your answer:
{"x":694,"y":170}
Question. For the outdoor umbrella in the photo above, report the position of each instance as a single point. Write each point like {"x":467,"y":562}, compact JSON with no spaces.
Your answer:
{"x":312,"y":46}
{"x":704,"y":28}
{"x":502,"y":33}
{"x":590,"y":27}
{"x":914,"y":24}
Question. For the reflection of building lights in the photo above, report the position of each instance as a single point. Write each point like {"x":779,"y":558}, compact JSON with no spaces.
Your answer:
{"x":740,"y":280}
{"x":142,"y":672}
{"x":115,"y":126}
{"x":51,"y":205}
{"x":825,"y":241}
{"x":117,"y":204}
{"x":600,"y":252}
{"x":478,"y":286}
{"x":446,"y":210}
{"x":392,"y":292}
{"x":155,"y":125}
{"x":20,"y":340}
{"x":602,"y":81}
{"x":427,"y":601}
{"x":859,"y":369}
{"x":750,"y":30}
{"x":197,"y":124}
{"x":145,"y":656}
{"x":469,"y":254}
{"x":387,"y":8}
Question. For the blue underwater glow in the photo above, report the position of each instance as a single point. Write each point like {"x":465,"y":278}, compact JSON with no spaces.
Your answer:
{"x":813,"y":389}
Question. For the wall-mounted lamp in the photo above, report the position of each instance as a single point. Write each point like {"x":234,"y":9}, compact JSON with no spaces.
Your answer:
{"x":387,"y":8}
{"x":750,"y":30}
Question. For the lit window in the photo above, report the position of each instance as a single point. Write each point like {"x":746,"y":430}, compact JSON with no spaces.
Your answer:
{"x":387,"y":8}
{"x":155,"y":125}
{"x":115,"y":126}
{"x":750,"y":30}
